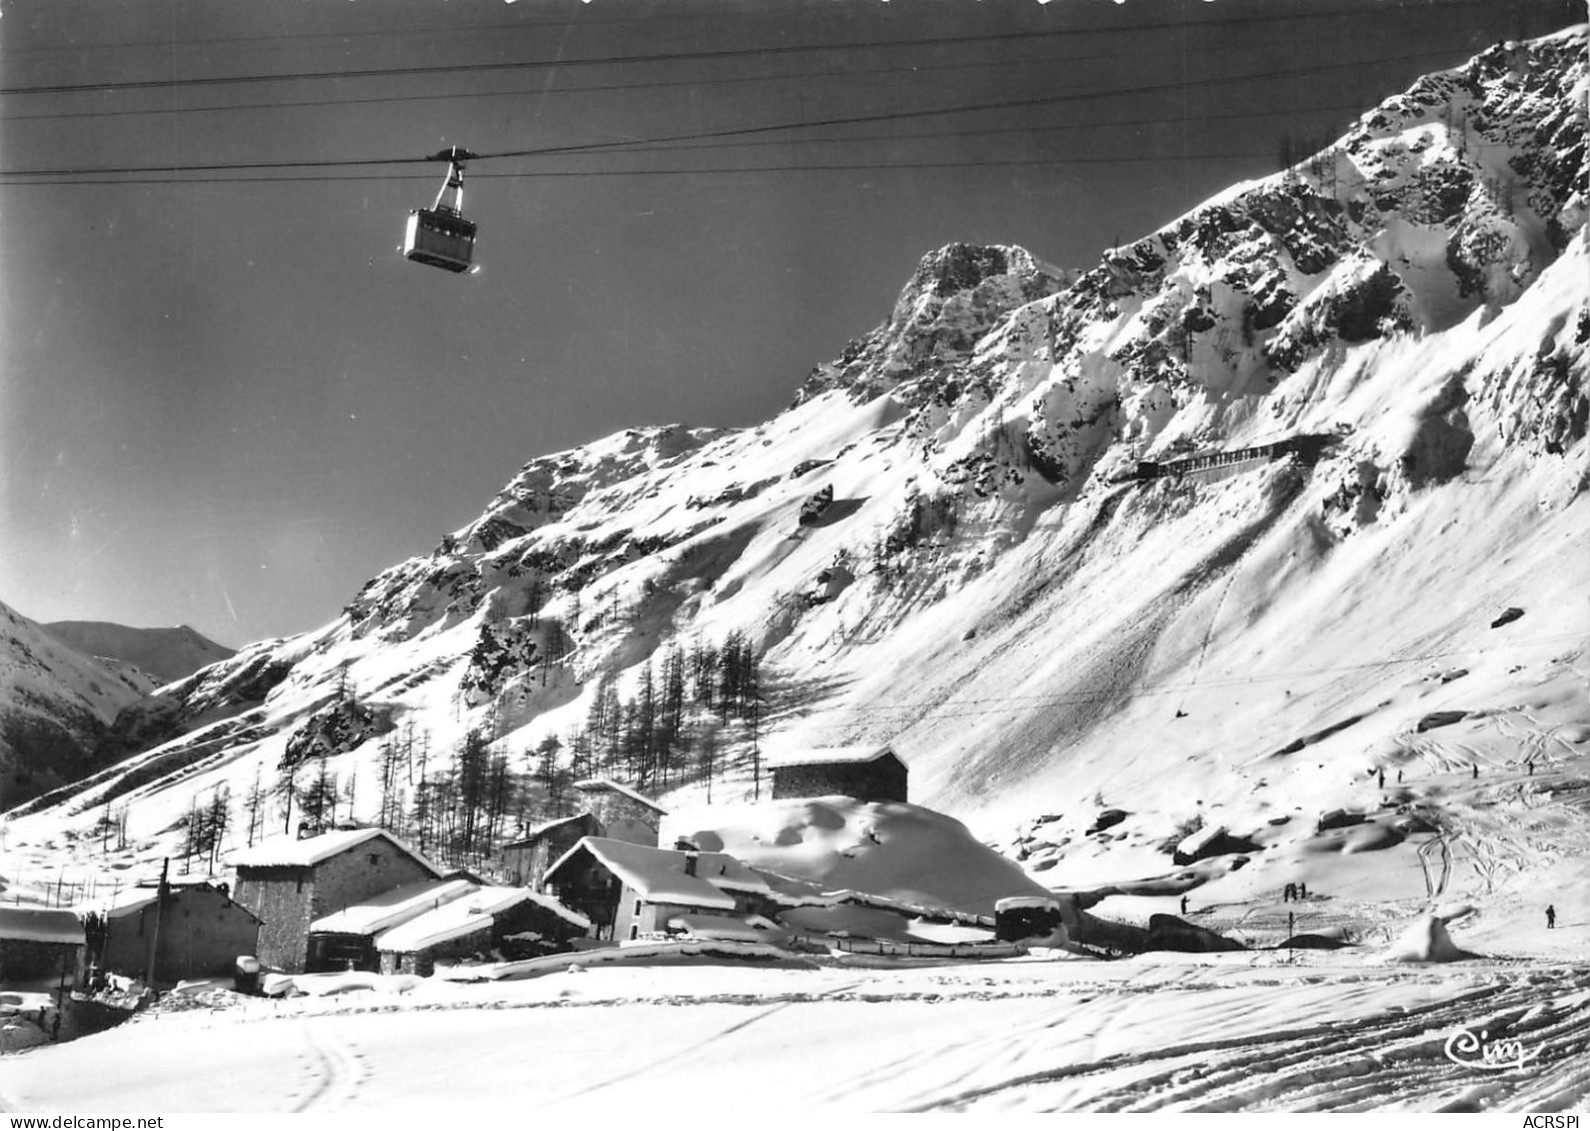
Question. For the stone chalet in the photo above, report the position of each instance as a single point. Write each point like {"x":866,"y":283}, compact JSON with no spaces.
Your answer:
{"x":202,"y":932}
{"x":39,"y":945}
{"x":622,"y":813}
{"x":524,"y":862}
{"x":867,"y":773}
{"x":512,"y":922}
{"x":630,"y":890}
{"x":288,"y":884}
{"x":346,"y":939}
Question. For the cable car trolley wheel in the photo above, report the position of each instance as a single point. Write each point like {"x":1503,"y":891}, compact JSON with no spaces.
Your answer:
{"x":440,"y":236}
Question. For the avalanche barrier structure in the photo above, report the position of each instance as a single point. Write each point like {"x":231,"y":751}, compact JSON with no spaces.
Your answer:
{"x":1308,"y":447}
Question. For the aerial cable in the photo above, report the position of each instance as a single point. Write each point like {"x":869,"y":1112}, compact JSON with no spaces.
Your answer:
{"x":956,"y":41}
{"x":992,"y":131}
{"x":166,"y":44}
{"x":518,"y":65}
{"x":695,"y":171}
{"x":743,"y":131}
{"x":428,"y":31}
{"x":975,"y":108}
{"x":599,"y":88}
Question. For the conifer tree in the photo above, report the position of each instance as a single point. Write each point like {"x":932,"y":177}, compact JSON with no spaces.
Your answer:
{"x":317,"y":801}
{"x":254,"y":807}
{"x":707,"y":754}
{"x":671,"y":713}
{"x":646,"y":727}
{"x":286,"y":792}
{"x":551,"y":777}
{"x":217,"y":819}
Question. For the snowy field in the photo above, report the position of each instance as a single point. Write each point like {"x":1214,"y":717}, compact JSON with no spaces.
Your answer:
{"x":1234,"y":1032}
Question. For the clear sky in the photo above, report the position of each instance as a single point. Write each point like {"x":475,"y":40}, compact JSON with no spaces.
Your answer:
{"x":225,"y":399}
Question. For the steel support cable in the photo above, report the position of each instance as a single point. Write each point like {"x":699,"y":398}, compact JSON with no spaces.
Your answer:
{"x":603,"y":88}
{"x":956,"y":41}
{"x":703,"y":171}
{"x":736,"y":132}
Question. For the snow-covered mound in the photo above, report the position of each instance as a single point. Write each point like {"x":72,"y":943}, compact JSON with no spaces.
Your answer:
{"x":1267,"y":510}
{"x":903,"y":852}
{"x":1426,"y":940}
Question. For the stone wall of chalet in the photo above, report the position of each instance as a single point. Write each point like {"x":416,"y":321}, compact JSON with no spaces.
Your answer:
{"x":282,"y":899}
{"x":884,"y":779}
{"x":289,"y":898}
{"x":202,"y":934}
{"x":24,"y":960}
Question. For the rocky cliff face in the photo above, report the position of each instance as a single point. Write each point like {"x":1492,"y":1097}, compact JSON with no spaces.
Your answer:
{"x":944,"y":543}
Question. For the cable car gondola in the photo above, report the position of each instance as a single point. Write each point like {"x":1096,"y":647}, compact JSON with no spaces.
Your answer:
{"x":440,"y":236}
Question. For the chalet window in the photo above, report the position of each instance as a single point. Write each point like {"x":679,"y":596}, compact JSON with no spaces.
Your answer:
{"x":300,"y":883}
{"x":634,"y":931}
{"x":374,"y":858}
{"x":637,"y":907}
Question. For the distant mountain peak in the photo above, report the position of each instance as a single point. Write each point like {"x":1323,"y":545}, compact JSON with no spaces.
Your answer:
{"x":956,"y":295}
{"x":166,"y":654}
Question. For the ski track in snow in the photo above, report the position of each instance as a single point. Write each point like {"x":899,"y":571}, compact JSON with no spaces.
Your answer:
{"x":1373,"y":1064}
{"x":335,"y":1075}
{"x":1066,"y":1036}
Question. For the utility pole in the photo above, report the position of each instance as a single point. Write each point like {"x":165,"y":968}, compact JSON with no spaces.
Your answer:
{"x":160,"y":910}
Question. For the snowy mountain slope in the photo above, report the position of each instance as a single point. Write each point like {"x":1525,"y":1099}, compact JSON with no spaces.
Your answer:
{"x":56,"y":708}
{"x":942,"y":543}
{"x":164,"y":654}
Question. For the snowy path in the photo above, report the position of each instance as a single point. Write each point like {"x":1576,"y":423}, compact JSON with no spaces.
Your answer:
{"x":1222,"y":1036}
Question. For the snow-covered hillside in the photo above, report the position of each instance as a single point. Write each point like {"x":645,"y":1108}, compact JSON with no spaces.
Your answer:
{"x":56,"y":708}
{"x":946,"y":541}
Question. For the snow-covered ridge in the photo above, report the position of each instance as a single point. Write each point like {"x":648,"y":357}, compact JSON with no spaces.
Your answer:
{"x":56,"y":708}
{"x":165,"y":655}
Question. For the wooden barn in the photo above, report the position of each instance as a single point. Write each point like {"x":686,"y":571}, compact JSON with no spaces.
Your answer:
{"x":291,"y":883}
{"x":41,"y":947}
{"x":509,"y":922}
{"x":622,"y":813}
{"x":346,"y":939}
{"x":524,"y":862}
{"x":202,"y":932}
{"x":867,"y":773}
{"x":629,"y":890}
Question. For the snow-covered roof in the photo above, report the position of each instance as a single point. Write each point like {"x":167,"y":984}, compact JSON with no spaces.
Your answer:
{"x":390,"y":908}
{"x":608,"y":785}
{"x":829,"y":756}
{"x":723,"y":927}
{"x":658,"y":874}
{"x":463,"y":916}
{"x":568,"y":913}
{"x":40,"y":924}
{"x":145,"y":893}
{"x":288,"y":852}
{"x":1016,"y":902}
{"x":133,"y":899}
{"x":545,"y":827}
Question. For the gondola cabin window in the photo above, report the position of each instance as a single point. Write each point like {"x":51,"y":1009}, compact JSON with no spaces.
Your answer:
{"x":440,"y":240}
